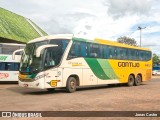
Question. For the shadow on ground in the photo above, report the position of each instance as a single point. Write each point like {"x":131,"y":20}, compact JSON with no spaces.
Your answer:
{"x":31,"y":91}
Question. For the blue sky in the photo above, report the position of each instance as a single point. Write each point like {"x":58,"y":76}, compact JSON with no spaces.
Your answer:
{"x":107,"y":19}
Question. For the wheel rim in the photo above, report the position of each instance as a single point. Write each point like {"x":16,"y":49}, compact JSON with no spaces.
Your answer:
{"x":72,"y":84}
{"x":138,"y":79}
{"x":131,"y":80}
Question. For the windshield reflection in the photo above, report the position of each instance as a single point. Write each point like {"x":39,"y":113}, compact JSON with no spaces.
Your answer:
{"x":29,"y":61}
{"x":49,"y":57}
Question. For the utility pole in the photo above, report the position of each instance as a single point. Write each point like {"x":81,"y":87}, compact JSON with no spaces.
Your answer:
{"x":140,"y":29}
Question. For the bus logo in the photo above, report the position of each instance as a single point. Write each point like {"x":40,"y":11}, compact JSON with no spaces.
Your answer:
{"x":128,"y":64}
{"x":4,"y":75}
{"x":3,"y":58}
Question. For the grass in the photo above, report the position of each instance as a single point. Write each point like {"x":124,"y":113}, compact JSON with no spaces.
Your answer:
{"x":16,"y":27}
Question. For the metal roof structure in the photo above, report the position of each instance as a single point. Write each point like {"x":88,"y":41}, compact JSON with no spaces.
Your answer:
{"x":15,"y":28}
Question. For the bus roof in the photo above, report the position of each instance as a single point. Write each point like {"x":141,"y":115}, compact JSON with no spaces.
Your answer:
{"x":114,"y":43}
{"x":58,"y":36}
{"x":79,"y":38}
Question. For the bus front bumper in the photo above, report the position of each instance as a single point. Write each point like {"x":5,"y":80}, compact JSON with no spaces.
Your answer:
{"x":32,"y":84}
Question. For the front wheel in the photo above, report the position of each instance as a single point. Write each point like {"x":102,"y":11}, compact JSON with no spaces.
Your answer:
{"x":130,"y":80}
{"x":71,"y":85}
{"x":138,"y":80}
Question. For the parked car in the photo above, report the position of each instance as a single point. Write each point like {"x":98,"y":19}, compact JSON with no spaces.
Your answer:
{"x":156,"y":72}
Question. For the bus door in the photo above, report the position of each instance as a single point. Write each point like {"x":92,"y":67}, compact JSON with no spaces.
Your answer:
{"x":53,"y":75}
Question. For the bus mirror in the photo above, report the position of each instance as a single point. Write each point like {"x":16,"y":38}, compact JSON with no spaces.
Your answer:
{"x":13,"y":54}
{"x":39,"y":49}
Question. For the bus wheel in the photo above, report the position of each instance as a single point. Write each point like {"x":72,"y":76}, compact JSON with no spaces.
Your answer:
{"x":51,"y":89}
{"x":71,"y":85}
{"x":138,"y":80}
{"x":130,"y":80}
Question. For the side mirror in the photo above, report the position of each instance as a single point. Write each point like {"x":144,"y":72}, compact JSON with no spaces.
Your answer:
{"x":39,"y":49}
{"x":13,"y":54}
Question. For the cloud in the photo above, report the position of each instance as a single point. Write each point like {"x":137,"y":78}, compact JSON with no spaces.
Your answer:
{"x":121,"y":8}
{"x":106,"y":19}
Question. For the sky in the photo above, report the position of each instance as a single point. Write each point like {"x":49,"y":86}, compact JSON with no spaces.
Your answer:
{"x":106,"y":19}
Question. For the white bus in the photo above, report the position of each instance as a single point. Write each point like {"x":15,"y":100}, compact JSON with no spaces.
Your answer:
{"x":9,"y":66}
{"x":65,"y":61}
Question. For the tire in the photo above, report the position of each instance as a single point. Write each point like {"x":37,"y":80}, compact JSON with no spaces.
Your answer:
{"x":51,"y":89}
{"x":71,"y":85}
{"x":138,"y":80}
{"x":130,"y":80}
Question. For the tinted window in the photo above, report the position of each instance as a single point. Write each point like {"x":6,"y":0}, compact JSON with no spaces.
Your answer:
{"x":121,"y":53}
{"x":137,"y":55}
{"x":83,"y":49}
{"x":102,"y":51}
{"x":62,"y":44}
{"x":55,"y":54}
{"x":106,"y":52}
{"x":75,"y":50}
{"x":148,"y":55}
{"x":9,"y":66}
{"x":142,"y":55}
{"x":93,"y":50}
{"x":112,"y":52}
{"x":132,"y":54}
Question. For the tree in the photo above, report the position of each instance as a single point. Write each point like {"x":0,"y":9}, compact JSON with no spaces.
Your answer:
{"x":156,"y":59}
{"x":127,"y":40}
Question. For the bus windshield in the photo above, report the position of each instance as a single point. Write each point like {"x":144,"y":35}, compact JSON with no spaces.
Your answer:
{"x":29,"y":62}
{"x":49,"y":57}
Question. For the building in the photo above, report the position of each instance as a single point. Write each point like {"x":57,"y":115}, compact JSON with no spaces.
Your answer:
{"x":17,"y":29}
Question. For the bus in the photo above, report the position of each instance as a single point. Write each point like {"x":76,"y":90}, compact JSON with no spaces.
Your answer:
{"x":9,"y":66}
{"x":68,"y":61}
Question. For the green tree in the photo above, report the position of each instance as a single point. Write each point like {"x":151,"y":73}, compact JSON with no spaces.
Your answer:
{"x":127,"y":40}
{"x":155,"y":59}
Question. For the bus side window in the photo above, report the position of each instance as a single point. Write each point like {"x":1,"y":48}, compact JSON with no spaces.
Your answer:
{"x":78,"y":49}
{"x":75,"y":50}
{"x":148,"y":55}
{"x":102,"y":49}
{"x":137,"y":54}
{"x":118,"y":53}
{"x":2,"y":66}
{"x":83,"y":49}
{"x":92,"y":50}
{"x":132,"y":54}
{"x":106,"y":52}
{"x":115,"y":53}
{"x":16,"y":66}
{"x":142,"y":55}
{"x":110,"y":52}
{"x":72,"y":51}
{"x":127,"y":54}
{"x":122,"y":53}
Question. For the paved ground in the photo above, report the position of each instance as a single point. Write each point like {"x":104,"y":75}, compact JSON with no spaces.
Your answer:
{"x":116,"y":98}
